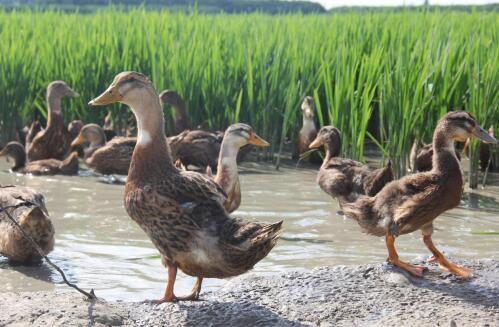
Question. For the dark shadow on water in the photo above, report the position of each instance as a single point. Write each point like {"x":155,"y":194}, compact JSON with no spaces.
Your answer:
{"x":472,"y":200}
{"x":306,"y":240}
{"x":40,"y":271}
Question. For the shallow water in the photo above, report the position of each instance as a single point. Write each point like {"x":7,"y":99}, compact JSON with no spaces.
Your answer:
{"x":100,"y":247}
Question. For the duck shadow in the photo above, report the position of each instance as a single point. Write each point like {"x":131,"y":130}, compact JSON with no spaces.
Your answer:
{"x":237,"y":313}
{"x":477,"y":290}
{"x":40,"y":270}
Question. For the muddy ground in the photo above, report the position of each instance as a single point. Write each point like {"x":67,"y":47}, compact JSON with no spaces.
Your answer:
{"x":370,"y":295}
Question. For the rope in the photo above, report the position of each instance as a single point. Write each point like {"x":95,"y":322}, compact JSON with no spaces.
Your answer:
{"x":91,"y":295}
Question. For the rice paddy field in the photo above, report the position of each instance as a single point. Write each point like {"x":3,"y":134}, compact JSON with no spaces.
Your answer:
{"x":382,"y":78}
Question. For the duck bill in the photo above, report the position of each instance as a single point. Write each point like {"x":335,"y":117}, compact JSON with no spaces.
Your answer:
{"x":111,"y":95}
{"x":257,"y":140}
{"x":72,"y":94}
{"x":483,"y":135}
{"x":77,"y":141}
{"x":315,"y":144}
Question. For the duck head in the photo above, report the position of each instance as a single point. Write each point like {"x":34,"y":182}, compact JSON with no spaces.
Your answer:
{"x":60,"y":89}
{"x":330,"y":137}
{"x":172,"y":98}
{"x":16,"y":151}
{"x":308,"y":107}
{"x":92,"y":133}
{"x":461,"y":125}
{"x":241,"y":134}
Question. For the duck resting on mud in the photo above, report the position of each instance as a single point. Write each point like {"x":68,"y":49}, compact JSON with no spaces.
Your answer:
{"x":182,"y":212}
{"x":414,"y":201}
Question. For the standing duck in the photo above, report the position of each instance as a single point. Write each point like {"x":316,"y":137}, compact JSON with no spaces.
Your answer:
{"x":33,"y":220}
{"x":414,"y":201}
{"x":181,"y":121}
{"x":113,"y":157}
{"x":236,"y":136}
{"x":54,"y":141}
{"x":15,"y":150}
{"x":308,"y":131}
{"x":346,"y":179}
{"x":181,"y":211}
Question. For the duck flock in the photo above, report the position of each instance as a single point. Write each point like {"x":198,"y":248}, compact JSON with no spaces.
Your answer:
{"x":186,"y":214}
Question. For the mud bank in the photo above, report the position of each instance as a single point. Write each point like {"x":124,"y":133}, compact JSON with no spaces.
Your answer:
{"x":370,"y":295}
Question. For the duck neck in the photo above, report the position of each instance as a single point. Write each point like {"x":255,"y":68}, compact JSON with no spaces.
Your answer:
{"x":445,"y":161}
{"x":151,"y":157}
{"x":308,"y":123}
{"x":54,"y":110}
{"x":227,"y":175}
{"x":181,"y":121}
{"x":333,"y":148}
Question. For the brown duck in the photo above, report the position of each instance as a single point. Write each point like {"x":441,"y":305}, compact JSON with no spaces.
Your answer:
{"x":15,"y":150}
{"x":414,"y":201}
{"x":424,"y":157}
{"x":236,"y":137}
{"x":343,"y":178}
{"x":113,"y":157}
{"x":308,"y":131}
{"x":33,"y":220}
{"x":182,"y":212}
{"x":181,"y":121}
{"x":198,"y":148}
{"x":53,"y":142}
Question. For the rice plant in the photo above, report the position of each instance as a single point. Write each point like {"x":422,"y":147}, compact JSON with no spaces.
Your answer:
{"x":381,"y":77}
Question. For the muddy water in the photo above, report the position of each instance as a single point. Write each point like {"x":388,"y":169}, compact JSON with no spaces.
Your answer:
{"x":100,"y":247}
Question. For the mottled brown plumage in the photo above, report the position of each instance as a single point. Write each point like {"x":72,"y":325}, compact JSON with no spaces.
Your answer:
{"x":33,"y":220}
{"x":113,"y":157}
{"x":182,"y":212}
{"x":198,"y":148}
{"x":345,"y":178}
{"x":235,"y":138}
{"x":414,"y":201}
{"x":53,"y":142}
{"x":15,"y":150}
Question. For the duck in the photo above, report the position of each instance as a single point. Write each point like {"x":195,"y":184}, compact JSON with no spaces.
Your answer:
{"x":484,"y":153}
{"x":33,"y":220}
{"x":422,"y":158}
{"x":113,"y":157}
{"x":308,"y":132}
{"x":236,"y":136}
{"x":412,"y":202}
{"x":196,"y":147}
{"x":15,"y":150}
{"x":109,"y":126}
{"x":181,"y":121}
{"x":182,"y":212}
{"x":346,"y":178}
{"x":74,"y":128}
{"x":53,"y":142}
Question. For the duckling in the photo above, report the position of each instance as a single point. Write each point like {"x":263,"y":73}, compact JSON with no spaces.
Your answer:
{"x":236,"y":136}
{"x":33,"y":220}
{"x":308,"y":132}
{"x":345,"y":178}
{"x":181,"y":121}
{"x":113,"y":157}
{"x":15,"y":150}
{"x":182,"y":212}
{"x":54,"y":141}
{"x":414,"y":201}
{"x":484,"y":154}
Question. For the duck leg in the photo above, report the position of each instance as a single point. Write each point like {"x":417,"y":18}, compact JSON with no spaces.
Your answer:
{"x":393,"y":258}
{"x":172,"y":275}
{"x":443,"y":262}
{"x":194,"y":296}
